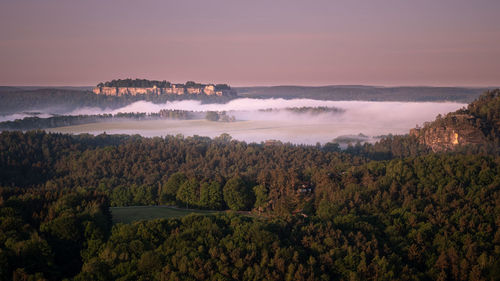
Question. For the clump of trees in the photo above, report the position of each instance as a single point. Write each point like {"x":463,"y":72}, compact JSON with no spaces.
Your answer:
{"x":145,"y":83}
{"x":221,"y":116}
{"x":137,"y":83}
{"x":176,"y":114}
{"x":307,"y":110}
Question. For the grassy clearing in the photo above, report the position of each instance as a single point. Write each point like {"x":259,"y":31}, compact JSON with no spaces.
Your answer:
{"x":136,"y":213}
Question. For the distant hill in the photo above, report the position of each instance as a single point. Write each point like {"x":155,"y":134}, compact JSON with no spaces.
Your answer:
{"x":32,"y":88}
{"x":61,"y":100}
{"x":9,"y":89}
{"x":56,"y":100}
{"x":366,"y":93}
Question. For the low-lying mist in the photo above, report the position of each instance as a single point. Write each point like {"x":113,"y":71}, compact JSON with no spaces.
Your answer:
{"x":255,"y":122}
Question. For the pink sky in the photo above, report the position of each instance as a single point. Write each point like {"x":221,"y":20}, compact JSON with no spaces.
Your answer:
{"x":384,"y":42}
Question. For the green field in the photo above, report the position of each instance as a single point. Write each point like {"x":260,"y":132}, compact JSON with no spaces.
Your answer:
{"x":136,"y":213}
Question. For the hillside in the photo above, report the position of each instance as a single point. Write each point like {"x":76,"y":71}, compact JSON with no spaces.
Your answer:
{"x":63,"y":100}
{"x":366,"y":93}
{"x":478,"y":124}
{"x":57,"y":100}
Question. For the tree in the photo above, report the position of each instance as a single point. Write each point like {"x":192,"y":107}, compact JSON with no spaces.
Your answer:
{"x":216,"y":196}
{"x":237,"y":194}
{"x":224,"y":138}
{"x":261,"y":197}
{"x":169,"y":189}
{"x":331,"y":147}
{"x":190,"y":84}
{"x":212,"y":116}
{"x":211,"y":196}
{"x":188,"y":192}
{"x":204,"y":195}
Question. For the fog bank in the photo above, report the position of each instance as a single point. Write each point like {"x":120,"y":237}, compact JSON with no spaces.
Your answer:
{"x":369,"y":118}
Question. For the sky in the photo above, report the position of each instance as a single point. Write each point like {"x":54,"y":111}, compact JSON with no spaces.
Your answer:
{"x":249,"y":43}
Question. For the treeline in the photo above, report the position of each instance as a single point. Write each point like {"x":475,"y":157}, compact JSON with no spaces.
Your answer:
{"x":34,"y":122}
{"x":136,"y":83}
{"x":145,"y":83}
{"x":176,"y":114}
{"x":307,"y":109}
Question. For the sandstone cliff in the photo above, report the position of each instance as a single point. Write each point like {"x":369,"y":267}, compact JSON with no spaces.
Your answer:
{"x":450,"y":132}
{"x":208,"y":90}
{"x":478,"y":124}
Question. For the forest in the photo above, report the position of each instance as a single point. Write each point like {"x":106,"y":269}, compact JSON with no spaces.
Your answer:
{"x":391,"y":210}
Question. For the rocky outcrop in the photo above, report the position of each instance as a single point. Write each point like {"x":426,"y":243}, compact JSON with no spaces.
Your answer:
{"x":476,"y":125}
{"x":209,"y":90}
{"x":450,"y":132}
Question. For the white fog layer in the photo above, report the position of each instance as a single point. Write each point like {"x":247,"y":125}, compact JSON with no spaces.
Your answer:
{"x":358,"y":117}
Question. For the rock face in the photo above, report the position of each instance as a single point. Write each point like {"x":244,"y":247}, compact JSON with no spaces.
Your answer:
{"x":208,"y":90}
{"x":449,"y":132}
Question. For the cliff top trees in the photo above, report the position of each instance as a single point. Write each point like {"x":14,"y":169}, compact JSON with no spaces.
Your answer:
{"x":145,"y":83}
{"x":138,"y":83}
